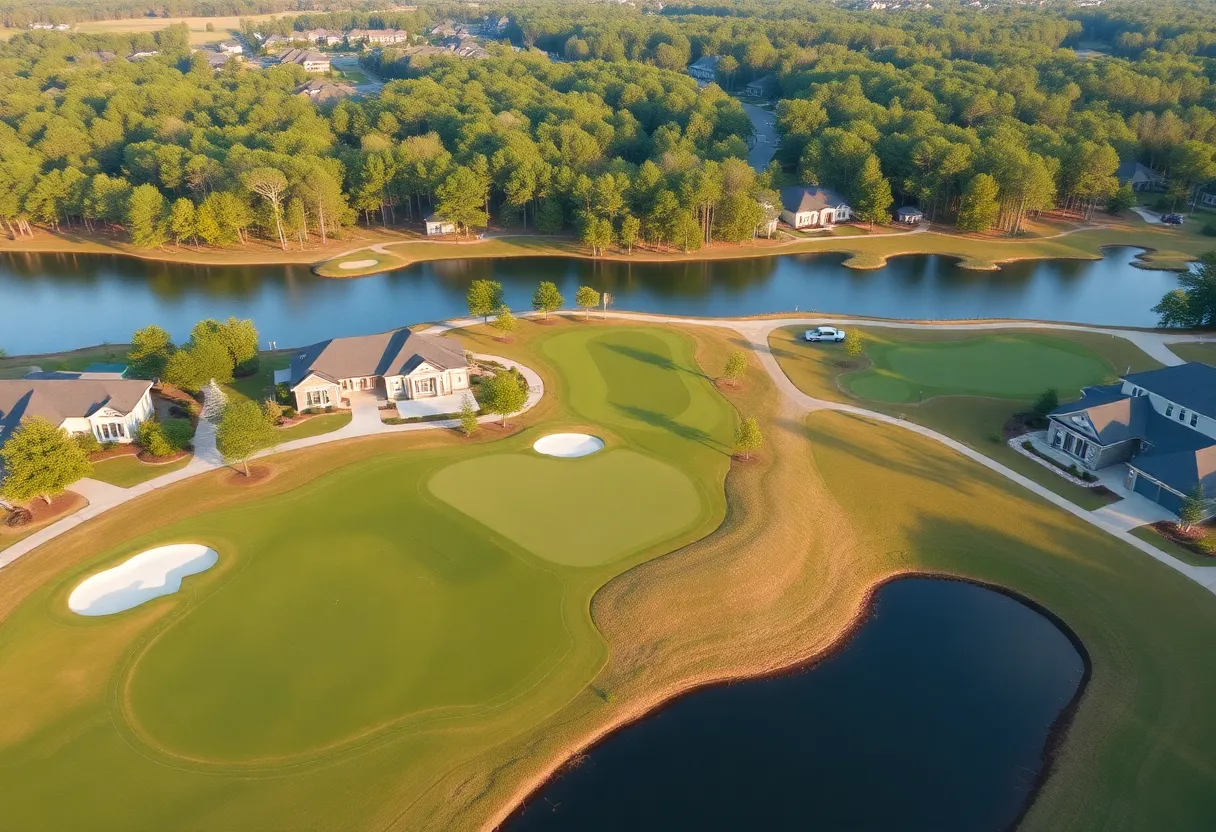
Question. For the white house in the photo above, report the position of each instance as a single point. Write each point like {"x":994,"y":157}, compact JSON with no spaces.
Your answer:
{"x":390,"y":365}
{"x":437,"y":225}
{"x":310,"y":59}
{"x":109,"y":407}
{"x":810,"y":206}
{"x":231,"y":47}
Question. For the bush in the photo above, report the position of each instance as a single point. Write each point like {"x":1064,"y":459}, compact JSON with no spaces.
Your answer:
{"x":1047,"y":401}
{"x":246,"y":368}
{"x":151,"y":437}
{"x":87,"y":442}
{"x":289,"y":412}
{"x":282,"y":394}
{"x":178,"y":432}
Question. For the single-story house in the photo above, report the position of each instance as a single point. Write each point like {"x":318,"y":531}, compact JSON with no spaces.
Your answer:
{"x":231,"y":47}
{"x":1140,"y":177}
{"x":391,"y":365}
{"x":310,"y":59}
{"x":761,"y":87}
{"x":704,"y":69}
{"x":322,"y":91}
{"x":909,"y":215}
{"x":1162,"y":423}
{"x":106,"y":405}
{"x":810,"y":206}
{"x":437,"y":225}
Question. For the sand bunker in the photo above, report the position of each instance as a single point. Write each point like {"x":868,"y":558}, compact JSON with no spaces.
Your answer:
{"x":141,"y":578}
{"x":568,"y":445}
{"x":357,"y":264}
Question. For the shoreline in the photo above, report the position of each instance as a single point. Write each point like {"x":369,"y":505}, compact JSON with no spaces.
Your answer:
{"x":1053,"y":741}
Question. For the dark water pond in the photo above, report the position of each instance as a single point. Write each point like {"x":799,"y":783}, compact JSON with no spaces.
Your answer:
{"x":54,"y":302}
{"x":933,"y":717}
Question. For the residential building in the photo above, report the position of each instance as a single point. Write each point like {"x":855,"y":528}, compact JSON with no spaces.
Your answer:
{"x":231,"y":47}
{"x":1141,"y":178}
{"x":144,"y":55}
{"x":469,"y":48}
{"x":1207,"y":199}
{"x":704,"y":69}
{"x":810,"y":206}
{"x":761,"y":87}
{"x":377,"y":37}
{"x":323,"y":91}
{"x":323,"y":37}
{"x":437,"y":225}
{"x":391,"y":365}
{"x":1161,"y":423}
{"x":218,"y":60}
{"x":909,"y":215}
{"x":310,"y":59}
{"x":106,"y":405}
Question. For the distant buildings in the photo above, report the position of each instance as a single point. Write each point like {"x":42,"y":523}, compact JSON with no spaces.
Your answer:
{"x":704,"y":69}
{"x":323,"y":91}
{"x":310,"y":59}
{"x":377,"y":37}
{"x":323,"y":37}
{"x":813,"y":207}
{"x":435,"y":225}
{"x":231,"y":47}
{"x":1141,"y":178}
{"x":761,"y":87}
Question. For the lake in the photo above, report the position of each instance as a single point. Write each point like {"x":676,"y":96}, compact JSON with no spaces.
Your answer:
{"x":933,"y":717}
{"x":51,"y":302}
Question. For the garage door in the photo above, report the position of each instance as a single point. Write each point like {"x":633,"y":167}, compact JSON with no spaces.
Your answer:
{"x":1147,"y":487}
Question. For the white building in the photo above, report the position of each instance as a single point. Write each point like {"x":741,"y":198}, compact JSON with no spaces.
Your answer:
{"x":231,"y":47}
{"x":436,"y":225}
{"x":810,"y":206}
{"x":310,"y":59}
{"x":109,"y":407}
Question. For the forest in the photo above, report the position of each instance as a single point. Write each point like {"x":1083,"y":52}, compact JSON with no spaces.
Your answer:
{"x":982,"y":117}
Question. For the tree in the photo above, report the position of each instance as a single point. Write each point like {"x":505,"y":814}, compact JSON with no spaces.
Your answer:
{"x":145,"y":217}
{"x":504,"y":321}
{"x":630,"y":226}
{"x":873,"y":203}
{"x":979,"y":209}
{"x":270,"y":184}
{"x":272,"y":410}
{"x":736,"y":367}
{"x":181,"y":370}
{"x":242,"y":432}
{"x":150,"y":351}
{"x":586,"y":299}
{"x":1047,"y":401}
{"x":238,"y":336}
{"x":502,"y":394}
{"x":468,"y":416}
{"x":461,"y":199}
{"x":1194,"y":509}
{"x":1193,"y":304}
{"x":547,"y":298}
{"x":853,"y":345}
{"x":484,"y":298}
{"x":182,"y":220}
{"x":1123,"y":199}
{"x":40,"y":460}
{"x":748,"y":437}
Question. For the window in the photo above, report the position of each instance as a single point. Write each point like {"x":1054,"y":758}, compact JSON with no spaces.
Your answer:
{"x":425,"y":385}
{"x":1169,"y":410}
{"x":1057,"y":439}
{"x":317,"y":398}
{"x":1081,"y":448}
{"x":1194,"y":419}
{"x":1182,"y":414}
{"x":1068,"y":440}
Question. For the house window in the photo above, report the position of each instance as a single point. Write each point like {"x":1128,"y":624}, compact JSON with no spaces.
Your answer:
{"x":1194,"y":419}
{"x":1169,"y":410}
{"x":1057,"y":439}
{"x":1182,"y":414}
{"x":317,"y":398}
{"x":1068,"y":440}
{"x":1081,"y":447}
{"x":425,"y":385}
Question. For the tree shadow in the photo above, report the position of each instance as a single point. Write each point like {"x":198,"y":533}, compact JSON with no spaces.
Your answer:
{"x":652,"y":358}
{"x":665,"y":422}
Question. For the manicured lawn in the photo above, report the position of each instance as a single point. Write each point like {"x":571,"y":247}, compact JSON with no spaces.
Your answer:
{"x":358,"y":631}
{"x":948,"y":365}
{"x":126,"y":471}
{"x":260,"y":385}
{"x":315,"y":426}
{"x":16,"y":366}
{"x":1190,"y":351}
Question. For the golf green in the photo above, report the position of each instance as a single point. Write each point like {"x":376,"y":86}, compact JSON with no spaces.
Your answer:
{"x":578,"y":512}
{"x":1004,"y":366}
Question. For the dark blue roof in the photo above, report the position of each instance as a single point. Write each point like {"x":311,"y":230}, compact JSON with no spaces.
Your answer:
{"x":1192,"y":385}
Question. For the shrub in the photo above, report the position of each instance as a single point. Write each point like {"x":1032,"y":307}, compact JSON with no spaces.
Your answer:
{"x":289,"y":412}
{"x":87,"y":442}
{"x":282,"y":394}
{"x":151,"y":437}
{"x":247,"y":367}
{"x":273,"y":411}
{"x":178,"y":432}
{"x":1047,"y":401}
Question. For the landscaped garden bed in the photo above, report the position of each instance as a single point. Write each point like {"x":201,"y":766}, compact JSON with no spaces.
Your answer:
{"x":1197,"y":540}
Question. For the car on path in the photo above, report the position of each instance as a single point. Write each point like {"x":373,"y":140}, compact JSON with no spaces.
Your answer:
{"x":824,"y":333}
{"x":1173,"y":219}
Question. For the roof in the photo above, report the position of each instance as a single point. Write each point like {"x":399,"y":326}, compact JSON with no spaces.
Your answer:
{"x":1192,"y":385}
{"x":385,"y":354}
{"x":1181,"y":470}
{"x":62,"y":398}
{"x":1106,"y":415}
{"x":910,"y":211}
{"x":319,"y":90}
{"x":1133,"y":171}
{"x":809,"y":198}
{"x":302,"y":56}
{"x":709,"y":62}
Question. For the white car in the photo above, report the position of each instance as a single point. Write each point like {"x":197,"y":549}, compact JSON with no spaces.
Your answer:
{"x":824,"y":333}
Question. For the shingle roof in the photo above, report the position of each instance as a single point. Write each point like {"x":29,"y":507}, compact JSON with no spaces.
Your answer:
{"x":1181,"y":470}
{"x":809,"y":198}
{"x":57,"y":399}
{"x":1192,"y":385}
{"x":384,"y":354}
{"x":709,"y":62}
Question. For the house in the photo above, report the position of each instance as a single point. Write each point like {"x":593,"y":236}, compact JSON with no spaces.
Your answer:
{"x":761,"y":87}
{"x":391,"y":365}
{"x":323,"y":37}
{"x":704,"y":69}
{"x":377,"y":37}
{"x":218,"y":60}
{"x":469,"y":48}
{"x":810,"y":206}
{"x":103,"y":404}
{"x":144,"y":55}
{"x":276,"y":42}
{"x":231,"y":47}
{"x":1162,"y":423}
{"x":322,"y":91}
{"x":1141,"y":178}
{"x":1206,"y":199}
{"x":310,"y":59}
{"x":909,"y":216}
{"x":437,"y":225}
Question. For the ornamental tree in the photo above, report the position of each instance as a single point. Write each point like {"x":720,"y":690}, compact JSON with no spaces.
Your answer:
{"x":504,"y":321}
{"x":242,"y":432}
{"x":40,"y":460}
{"x":547,"y":298}
{"x":484,"y":298}
{"x":1194,"y":509}
{"x":736,"y":367}
{"x":853,"y":345}
{"x":503,"y":395}
{"x":586,"y":299}
{"x":468,"y":416}
{"x":748,"y":437}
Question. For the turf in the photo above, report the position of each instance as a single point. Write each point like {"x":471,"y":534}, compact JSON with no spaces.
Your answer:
{"x":315,"y":426}
{"x":126,"y":471}
{"x":577,"y":512}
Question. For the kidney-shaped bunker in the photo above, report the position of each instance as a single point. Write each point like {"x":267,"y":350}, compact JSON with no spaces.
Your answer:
{"x":141,"y":578}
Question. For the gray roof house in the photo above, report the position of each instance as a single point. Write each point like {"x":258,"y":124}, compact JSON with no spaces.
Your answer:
{"x":389,"y":365}
{"x":1162,"y":423}
{"x":110,"y":408}
{"x":704,"y":69}
{"x":1141,"y":178}
{"x":812,"y":206}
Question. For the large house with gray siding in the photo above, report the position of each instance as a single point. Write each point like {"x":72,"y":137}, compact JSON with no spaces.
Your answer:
{"x":390,"y":365}
{"x":1162,"y":423}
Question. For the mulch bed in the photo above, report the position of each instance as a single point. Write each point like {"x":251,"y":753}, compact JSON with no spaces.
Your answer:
{"x":118,"y":450}
{"x":1192,"y":541}
{"x":147,"y":458}
{"x":257,"y":474}
{"x":65,"y":503}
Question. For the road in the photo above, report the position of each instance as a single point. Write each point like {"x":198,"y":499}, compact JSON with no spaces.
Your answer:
{"x":765,"y":123}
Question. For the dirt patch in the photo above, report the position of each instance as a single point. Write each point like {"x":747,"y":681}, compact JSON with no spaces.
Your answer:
{"x":41,"y":513}
{"x":727,"y":384}
{"x":258,"y":474}
{"x":117,"y":450}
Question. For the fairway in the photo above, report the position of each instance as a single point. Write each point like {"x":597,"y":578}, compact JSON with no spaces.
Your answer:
{"x":1003,"y":366}
{"x":578,"y":512}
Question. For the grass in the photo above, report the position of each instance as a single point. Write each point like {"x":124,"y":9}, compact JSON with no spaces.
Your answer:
{"x":16,"y":366}
{"x":1150,"y":535}
{"x":354,"y":621}
{"x":951,"y":364}
{"x":1192,"y":351}
{"x":126,"y":471}
{"x":225,"y":27}
{"x":315,"y":426}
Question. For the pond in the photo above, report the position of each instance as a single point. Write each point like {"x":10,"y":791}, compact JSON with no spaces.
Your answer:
{"x":934,"y":716}
{"x":51,"y":302}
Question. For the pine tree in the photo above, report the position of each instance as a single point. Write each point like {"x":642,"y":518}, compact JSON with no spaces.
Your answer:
{"x":873,"y":203}
{"x":979,"y":209}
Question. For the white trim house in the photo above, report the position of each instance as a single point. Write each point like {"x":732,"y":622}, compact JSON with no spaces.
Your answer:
{"x":111,"y":409}
{"x":810,"y":206}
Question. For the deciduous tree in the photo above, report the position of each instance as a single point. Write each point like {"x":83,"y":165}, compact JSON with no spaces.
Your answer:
{"x":748,"y":437}
{"x":736,"y":367}
{"x":484,"y":298}
{"x":242,"y":432}
{"x":40,"y":460}
{"x":547,"y":298}
{"x":586,"y":299}
{"x":503,"y":395}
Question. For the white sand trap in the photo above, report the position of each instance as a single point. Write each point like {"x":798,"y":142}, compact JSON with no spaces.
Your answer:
{"x":357,"y":264}
{"x":568,"y":445}
{"x":141,"y":578}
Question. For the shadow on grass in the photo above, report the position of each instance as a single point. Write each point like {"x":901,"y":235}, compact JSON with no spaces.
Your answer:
{"x":652,"y":358}
{"x":665,"y":422}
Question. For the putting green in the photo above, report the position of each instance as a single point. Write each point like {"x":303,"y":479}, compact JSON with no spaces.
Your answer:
{"x":1005,"y":366}
{"x":577,"y":512}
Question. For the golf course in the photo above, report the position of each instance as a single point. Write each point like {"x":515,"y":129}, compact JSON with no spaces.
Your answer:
{"x":416,"y":630}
